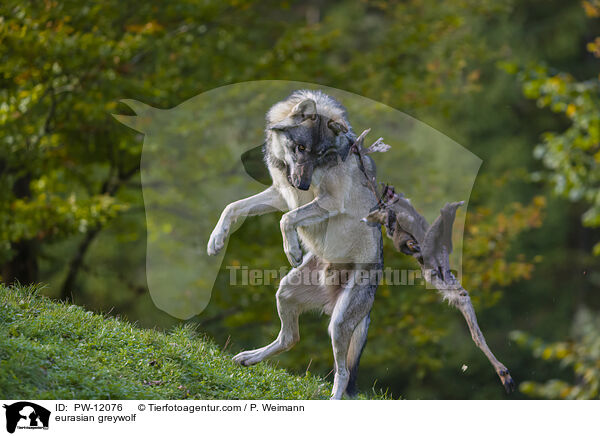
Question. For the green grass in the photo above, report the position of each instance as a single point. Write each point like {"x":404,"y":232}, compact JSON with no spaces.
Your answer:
{"x":51,"y":350}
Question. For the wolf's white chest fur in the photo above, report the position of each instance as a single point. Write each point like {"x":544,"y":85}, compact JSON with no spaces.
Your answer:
{"x":342,"y":237}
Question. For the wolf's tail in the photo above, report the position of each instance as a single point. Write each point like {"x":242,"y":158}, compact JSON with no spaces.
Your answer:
{"x":357,"y":344}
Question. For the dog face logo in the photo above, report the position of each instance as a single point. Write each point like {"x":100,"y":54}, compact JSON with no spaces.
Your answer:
{"x":26,"y":415}
{"x":206,"y":153}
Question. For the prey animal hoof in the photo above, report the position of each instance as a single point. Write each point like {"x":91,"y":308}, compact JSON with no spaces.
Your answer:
{"x":507,"y":380}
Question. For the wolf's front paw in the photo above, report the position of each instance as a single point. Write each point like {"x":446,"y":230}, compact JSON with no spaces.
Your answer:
{"x":293,"y":253}
{"x":216,"y":241}
{"x":291,"y":245}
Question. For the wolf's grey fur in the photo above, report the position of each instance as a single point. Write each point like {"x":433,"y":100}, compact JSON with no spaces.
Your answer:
{"x":308,"y":138}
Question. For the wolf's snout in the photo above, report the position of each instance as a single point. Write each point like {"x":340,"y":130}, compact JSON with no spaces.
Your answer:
{"x":302,"y":176}
{"x":303,"y":186}
{"x":298,"y":183}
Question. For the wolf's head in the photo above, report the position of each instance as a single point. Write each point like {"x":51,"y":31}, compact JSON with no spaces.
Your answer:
{"x":307,"y":130}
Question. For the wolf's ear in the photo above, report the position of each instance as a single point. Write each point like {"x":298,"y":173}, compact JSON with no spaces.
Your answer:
{"x":304,"y":110}
{"x":337,"y":127}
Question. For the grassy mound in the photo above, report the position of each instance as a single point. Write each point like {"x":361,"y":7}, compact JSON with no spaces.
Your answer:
{"x":50,"y":350}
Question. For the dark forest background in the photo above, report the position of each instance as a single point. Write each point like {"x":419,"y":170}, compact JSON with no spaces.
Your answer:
{"x":515,"y":82}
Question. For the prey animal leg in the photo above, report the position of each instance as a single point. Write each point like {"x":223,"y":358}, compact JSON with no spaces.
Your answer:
{"x":462,"y":302}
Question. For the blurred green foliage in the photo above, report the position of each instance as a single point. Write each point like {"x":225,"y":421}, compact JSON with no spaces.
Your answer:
{"x":72,"y":214}
{"x":580,"y":354}
{"x":573,"y":156}
{"x":572,"y":159}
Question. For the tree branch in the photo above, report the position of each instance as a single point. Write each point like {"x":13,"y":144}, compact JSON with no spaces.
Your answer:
{"x":108,"y":187}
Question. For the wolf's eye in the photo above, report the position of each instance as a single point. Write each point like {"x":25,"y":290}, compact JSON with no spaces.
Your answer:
{"x":301,"y":147}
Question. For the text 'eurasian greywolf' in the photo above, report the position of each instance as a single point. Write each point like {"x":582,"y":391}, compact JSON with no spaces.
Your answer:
{"x":308,"y":140}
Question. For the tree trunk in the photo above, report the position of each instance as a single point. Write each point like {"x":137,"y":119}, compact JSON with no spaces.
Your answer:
{"x":23,"y":267}
{"x":75,"y":264}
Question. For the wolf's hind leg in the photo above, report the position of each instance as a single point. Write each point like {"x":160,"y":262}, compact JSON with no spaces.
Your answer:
{"x":298,"y":291}
{"x":352,"y":308}
{"x":357,"y":345}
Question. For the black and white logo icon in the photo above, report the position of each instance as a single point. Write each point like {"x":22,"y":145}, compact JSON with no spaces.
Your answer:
{"x":26,"y":415}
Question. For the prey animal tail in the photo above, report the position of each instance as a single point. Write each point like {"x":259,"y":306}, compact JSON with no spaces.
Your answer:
{"x":357,"y":345}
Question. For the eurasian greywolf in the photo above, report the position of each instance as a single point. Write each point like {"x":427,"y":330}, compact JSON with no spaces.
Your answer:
{"x":318,"y":183}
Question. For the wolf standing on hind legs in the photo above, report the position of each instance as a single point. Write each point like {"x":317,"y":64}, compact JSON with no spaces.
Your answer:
{"x":308,"y":139}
